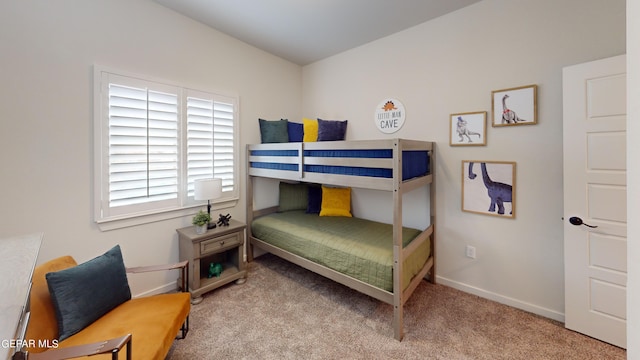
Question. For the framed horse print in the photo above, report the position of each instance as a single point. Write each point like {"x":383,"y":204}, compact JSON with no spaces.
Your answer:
{"x":515,"y":106}
{"x":468,"y":129}
{"x":489,"y":187}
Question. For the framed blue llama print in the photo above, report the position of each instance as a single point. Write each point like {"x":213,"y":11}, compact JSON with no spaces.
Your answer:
{"x":515,"y":106}
{"x":468,"y":129}
{"x":489,"y":188}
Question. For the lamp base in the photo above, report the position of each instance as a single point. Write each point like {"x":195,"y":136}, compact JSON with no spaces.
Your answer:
{"x":211,"y":225}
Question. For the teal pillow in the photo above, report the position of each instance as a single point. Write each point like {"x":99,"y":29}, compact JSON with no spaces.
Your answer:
{"x":293,"y":197}
{"x":83,"y":293}
{"x":274,"y":131}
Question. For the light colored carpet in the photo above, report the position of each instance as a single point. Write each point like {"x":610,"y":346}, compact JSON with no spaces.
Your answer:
{"x":286,"y":312}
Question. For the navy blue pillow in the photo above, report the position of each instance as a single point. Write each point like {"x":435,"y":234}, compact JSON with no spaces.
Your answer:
{"x":331,"y":130}
{"x":83,"y":293}
{"x":315,"y":199}
{"x":296,"y":132}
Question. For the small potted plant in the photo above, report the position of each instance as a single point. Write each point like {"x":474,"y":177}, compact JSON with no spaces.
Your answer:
{"x":201,"y":220}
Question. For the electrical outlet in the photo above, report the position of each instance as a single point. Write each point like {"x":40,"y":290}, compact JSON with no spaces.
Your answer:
{"x":471,"y":252}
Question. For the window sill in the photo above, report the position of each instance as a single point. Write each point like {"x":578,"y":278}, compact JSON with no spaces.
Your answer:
{"x":120,"y":223}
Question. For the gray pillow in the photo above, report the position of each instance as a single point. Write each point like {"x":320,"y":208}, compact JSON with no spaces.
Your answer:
{"x":274,"y":131}
{"x":83,"y":293}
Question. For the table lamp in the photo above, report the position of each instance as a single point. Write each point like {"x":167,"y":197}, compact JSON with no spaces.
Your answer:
{"x":208,"y":189}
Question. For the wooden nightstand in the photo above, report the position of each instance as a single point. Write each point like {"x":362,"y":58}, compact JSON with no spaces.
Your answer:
{"x":223,"y":245}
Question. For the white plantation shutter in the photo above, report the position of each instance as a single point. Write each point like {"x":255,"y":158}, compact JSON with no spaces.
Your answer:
{"x":224,"y":143}
{"x":211,"y":140}
{"x":199,"y":141}
{"x":153,"y":140}
{"x":143,"y":146}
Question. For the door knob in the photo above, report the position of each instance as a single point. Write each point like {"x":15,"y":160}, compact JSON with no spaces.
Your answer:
{"x":574,"y":220}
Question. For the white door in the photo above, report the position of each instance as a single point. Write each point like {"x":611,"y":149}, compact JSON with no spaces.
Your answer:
{"x":595,"y":198}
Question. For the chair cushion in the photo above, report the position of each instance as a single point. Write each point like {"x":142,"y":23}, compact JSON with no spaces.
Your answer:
{"x":83,"y":293}
{"x":153,"y":322}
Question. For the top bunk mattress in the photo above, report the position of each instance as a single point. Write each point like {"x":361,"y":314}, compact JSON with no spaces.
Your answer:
{"x":356,"y":247}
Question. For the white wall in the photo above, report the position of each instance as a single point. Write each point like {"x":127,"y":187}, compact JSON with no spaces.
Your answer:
{"x":633,"y":179}
{"x":451,"y":65}
{"x":48,"y":49}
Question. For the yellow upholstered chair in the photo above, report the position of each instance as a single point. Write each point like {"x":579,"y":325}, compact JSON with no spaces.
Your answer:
{"x":64,"y":292}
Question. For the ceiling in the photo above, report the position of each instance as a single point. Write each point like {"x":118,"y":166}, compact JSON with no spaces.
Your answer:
{"x":305,"y":31}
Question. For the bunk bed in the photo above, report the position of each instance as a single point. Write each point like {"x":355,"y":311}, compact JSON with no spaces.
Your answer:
{"x":395,"y":165}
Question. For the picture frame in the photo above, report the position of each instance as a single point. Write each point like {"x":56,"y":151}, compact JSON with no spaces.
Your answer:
{"x":515,"y":106}
{"x":489,"y":187}
{"x":468,"y":129}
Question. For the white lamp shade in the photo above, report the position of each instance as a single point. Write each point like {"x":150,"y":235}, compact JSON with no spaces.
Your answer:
{"x":207,"y":189}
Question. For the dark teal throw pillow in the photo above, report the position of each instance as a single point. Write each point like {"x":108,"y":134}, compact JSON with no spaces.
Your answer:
{"x":83,"y":293}
{"x":274,"y":131}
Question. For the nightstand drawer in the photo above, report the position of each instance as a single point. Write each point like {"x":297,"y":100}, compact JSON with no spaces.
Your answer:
{"x":215,"y":245}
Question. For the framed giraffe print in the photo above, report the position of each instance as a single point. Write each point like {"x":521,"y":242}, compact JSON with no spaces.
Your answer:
{"x":515,"y":106}
{"x":468,"y":129}
{"x":489,"y":187}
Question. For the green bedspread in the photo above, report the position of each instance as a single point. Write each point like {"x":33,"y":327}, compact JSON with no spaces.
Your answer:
{"x":360,"y":248}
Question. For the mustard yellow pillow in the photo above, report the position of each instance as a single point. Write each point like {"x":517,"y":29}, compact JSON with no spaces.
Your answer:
{"x":336,"y":202}
{"x":310,"y":130}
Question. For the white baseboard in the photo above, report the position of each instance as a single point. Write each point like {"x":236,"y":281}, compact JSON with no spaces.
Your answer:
{"x":518,"y":304}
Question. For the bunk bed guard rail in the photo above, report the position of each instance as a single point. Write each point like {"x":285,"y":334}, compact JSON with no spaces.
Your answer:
{"x":365,"y":164}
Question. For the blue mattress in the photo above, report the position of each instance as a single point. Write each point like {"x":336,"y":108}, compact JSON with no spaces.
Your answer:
{"x":414,"y":163}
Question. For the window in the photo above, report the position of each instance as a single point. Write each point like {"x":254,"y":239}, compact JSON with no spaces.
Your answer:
{"x":153,"y":139}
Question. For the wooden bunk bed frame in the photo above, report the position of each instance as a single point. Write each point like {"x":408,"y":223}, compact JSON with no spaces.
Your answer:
{"x":397,"y":298}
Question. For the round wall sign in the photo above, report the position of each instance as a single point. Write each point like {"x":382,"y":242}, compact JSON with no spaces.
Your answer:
{"x":389,"y":116}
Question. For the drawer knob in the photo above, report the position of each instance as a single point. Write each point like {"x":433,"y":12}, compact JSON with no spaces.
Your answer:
{"x":222,"y":243}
